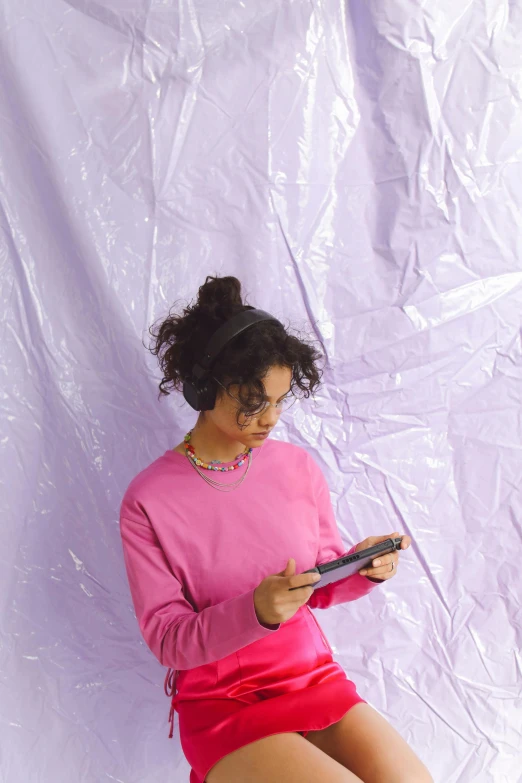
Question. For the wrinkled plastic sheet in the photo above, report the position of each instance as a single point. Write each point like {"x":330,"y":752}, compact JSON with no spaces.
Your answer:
{"x":358,"y":166}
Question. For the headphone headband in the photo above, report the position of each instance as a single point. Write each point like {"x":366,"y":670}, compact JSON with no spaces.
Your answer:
{"x":200,"y":390}
{"x":230,"y":329}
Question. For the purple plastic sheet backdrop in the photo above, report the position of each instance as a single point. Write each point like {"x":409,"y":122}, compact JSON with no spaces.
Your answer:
{"x":358,"y":166}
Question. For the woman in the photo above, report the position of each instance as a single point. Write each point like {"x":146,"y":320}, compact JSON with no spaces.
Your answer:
{"x":215,"y":532}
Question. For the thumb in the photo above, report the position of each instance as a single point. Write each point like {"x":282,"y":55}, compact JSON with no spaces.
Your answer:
{"x":289,"y":569}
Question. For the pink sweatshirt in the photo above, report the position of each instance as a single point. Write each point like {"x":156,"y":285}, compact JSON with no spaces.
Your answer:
{"x":194,"y":555}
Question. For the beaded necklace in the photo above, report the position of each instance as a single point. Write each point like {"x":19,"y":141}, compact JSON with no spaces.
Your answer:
{"x":195,"y":462}
{"x":209,"y":466}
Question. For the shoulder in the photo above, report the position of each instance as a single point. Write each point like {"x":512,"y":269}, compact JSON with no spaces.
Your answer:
{"x":307,"y":461}
{"x":293,"y":455}
{"x":299,"y":461}
{"x":146,"y":485}
{"x":285,"y":450}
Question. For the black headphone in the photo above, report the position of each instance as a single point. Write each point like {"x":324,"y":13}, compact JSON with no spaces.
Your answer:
{"x":201,"y":390}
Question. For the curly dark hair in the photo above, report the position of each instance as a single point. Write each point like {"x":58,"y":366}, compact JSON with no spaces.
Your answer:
{"x":180,"y":340}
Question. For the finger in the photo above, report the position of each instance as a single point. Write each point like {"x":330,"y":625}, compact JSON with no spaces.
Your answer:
{"x":381,"y":577}
{"x":381,"y":565}
{"x":405,"y":540}
{"x":384,"y":560}
{"x":303,"y":580}
{"x":379,"y":573}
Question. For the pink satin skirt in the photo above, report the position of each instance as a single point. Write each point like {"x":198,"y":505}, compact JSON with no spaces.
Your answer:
{"x":285,"y":682}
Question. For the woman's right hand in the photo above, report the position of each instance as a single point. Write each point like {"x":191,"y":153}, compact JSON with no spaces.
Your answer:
{"x":275,"y":602}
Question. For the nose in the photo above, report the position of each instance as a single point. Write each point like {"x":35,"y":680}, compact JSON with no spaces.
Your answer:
{"x":269,"y":417}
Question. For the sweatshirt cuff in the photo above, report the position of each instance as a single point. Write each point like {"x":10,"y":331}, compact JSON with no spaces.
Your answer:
{"x":224,"y":628}
{"x":239,"y":625}
{"x":247,"y":616}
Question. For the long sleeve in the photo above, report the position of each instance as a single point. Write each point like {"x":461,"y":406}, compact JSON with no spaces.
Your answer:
{"x":330,"y":548}
{"x":178,"y":636}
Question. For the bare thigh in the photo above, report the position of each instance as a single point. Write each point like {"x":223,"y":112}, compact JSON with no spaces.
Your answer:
{"x":281,"y":758}
{"x":364,"y":742}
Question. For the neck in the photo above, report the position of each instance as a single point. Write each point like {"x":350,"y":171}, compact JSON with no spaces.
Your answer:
{"x":210,"y":443}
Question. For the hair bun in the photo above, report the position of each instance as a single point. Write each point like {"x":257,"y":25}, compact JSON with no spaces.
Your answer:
{"x":220,"y":297}
{"x":180,"y":339}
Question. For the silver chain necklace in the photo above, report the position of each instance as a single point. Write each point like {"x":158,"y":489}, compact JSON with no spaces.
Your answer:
{"x":217,"y":484}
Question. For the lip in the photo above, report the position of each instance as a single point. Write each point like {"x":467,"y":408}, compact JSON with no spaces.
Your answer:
{"x":260,"y":434}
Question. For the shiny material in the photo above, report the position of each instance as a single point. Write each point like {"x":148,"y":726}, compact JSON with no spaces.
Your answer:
{"x":285,"y":682}
{"x":359,"y":166}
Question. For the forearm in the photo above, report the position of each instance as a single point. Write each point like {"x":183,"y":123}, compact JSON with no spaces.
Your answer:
{"x":215,"y":632}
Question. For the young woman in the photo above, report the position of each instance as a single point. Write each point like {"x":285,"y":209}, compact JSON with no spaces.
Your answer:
{"x":216,"y":532}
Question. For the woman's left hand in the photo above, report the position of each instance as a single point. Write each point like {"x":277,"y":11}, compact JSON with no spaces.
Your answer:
{"x":384,"y":566}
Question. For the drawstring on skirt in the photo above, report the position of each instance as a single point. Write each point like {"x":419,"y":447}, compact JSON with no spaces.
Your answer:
{"x":170,"y":690}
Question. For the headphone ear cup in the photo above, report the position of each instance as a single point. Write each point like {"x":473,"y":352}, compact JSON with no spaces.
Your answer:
{"x":207,"y":395}
{"x":192,"y":395}
{"x":200,"y":397}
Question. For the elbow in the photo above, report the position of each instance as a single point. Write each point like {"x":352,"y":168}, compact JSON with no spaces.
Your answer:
{"x":166,"y":652}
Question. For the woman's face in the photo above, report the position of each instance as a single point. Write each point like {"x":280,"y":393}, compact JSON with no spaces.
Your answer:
{"x":224,"y":415}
